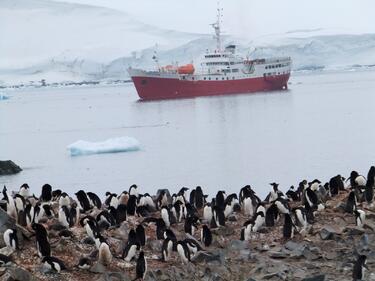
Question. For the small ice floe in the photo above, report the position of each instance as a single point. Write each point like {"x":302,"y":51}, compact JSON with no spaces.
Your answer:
{"x":3,"y":97}
{"x":114,"y":145}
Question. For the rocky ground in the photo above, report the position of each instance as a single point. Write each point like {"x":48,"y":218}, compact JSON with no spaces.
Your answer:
{"x":326,"y":252}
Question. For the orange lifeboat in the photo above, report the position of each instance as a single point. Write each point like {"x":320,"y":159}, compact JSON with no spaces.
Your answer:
{"x":186,"y":69}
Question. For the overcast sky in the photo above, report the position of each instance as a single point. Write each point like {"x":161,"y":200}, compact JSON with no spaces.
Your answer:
{"x":251,"y":18}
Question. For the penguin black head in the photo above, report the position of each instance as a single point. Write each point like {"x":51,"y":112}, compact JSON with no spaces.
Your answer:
{"x":84,"y":263}
{"x":274,"y":186}
{"x":46,"y":193}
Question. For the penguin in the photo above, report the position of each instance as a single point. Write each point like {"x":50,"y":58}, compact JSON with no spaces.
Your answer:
{"x":314,"y":185}
{"x":288,"y":228}
{"x":133,"y":190}
{"x":218,"y":216}
{"x":94,"y":200}
{"x":74,"y":215}
{"x":193,"y":246}
{"x":192,"y":197}
{"x":83,"y":201}
{"x":169,"y":234}
{"x":105,"y":255}
{"x":56,"y":194}
{"x":29,"y":213}
{"x":141,"y":235}
{"x":370,"y":184}
{"x":10,"y":206}
{"x":275,"y":193}
{"x":259,"y":221}
{"x":129,"y":251}
{"x":360,"y":217}
{"x":311,"y":197}
{"x":199,"y":197}
{"x":123,"y":198}
{"x":147,"y":201}
{"x":120,"y":213}
{"x":282,"y":205}
{"x":65,"y":233}
{"x":179,"y":211}
{"x":246,"y":230}
{"x":64,"y":216}
{"x":162,"y":199}
{"x":191,"y":224}
{"x":111,"y":200}
{"x":272,"y":214}
{"x":11,"y":239}
{"x":261,"y":208}
{"x":359,"y":268}
{"x":141,"y":267}
{"x":300,"y":215}
{"x":19,"y":202}
{"x":351,"y":203}
{"x":292,"y":194}
{"x":230,"y":202}
{"x":24,"y":190}
{"x":220,"y":199}
{"x":42,"y":242}
{"x":132,"y":205}
{"x":167,"y":248}
{"x":132,"y":237}
{"x":84,"y":263}
{"x":53,"y":264}
{"x":206,"y":236}
{"x":64,"y":200}
{"x":5,"y":260}
{"x":165,"y":215}
{"x":105,"y":219}
{"x":182,"y":195}
{"x":207,"y":213}
{"x":46,"y":195}
{"x":91,"y":226}
{"x":183,"y":251}
{"x":336,"y":184}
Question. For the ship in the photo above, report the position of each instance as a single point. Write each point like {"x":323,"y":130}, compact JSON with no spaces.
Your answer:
{"x":222,"y":72}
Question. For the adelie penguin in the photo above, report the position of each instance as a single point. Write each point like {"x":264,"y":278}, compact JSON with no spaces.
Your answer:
{"x":11,"y":239}
{"x":191,"y":225}
{"x":94,"y":200}
{"x":206,"y":236}
{"x":84,"y":263}
{"x":272,"y":215}
{"x":53,"y":264}
{"x":370,"y":184}
{"x":141,"y":235}
{"x":141,"y":267}
{"x":359,"y":268}
{"x":105,"y":255}
{"x":42,"y":243}
{"x":165,"y":215}
{"x":183,"y":252}
{"x":133,"y":190}
{"x":24,"y":190}
{"x":199,"y":197}
{"x":132,"y":205}
{"x":83,"y":201}
{"x":360,"y":218}
{"x":64,"y":200}
{"x":64,"y":216}
{"x":288,"y":228}
{"x":167,"y":248}
{"x":46,"y":195}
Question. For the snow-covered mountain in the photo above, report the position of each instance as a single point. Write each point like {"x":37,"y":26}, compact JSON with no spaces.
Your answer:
{"x":71,"y":42}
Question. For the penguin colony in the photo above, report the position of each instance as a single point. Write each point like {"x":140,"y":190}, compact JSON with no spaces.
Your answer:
{"x":142,"y":213}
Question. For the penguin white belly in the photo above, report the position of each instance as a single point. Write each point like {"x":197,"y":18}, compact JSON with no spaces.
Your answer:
{"x":207,"y":214}
{"x":360,"y":180}
{"x":131,"y":253}
{"x":105,"y":256}
{"x":181,"y":252}
{"x":7,"y":239}
{"x":248,"y":206}
{"x":165,"y":217}
{"x":57,"y":266}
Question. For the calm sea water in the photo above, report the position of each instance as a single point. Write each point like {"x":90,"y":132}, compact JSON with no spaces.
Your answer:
{"x":323,"y":125}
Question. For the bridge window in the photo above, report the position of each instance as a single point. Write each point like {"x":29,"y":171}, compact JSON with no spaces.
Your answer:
{"x":235,"y":70}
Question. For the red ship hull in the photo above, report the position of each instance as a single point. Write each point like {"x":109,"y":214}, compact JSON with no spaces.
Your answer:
{"x":153,"y":88}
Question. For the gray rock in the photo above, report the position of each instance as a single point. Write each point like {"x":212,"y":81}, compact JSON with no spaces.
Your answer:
{"x":8,"y":167}
{"x":155,"y":245}
{"x":115,"y":276}
{"x":321,"y":277}
{"x":207,"y":257}
{"x":329,"y":232}
{"x":19,"y":273}
{"x":309,"y":255}
{"x":237,"y":245}
{"x":277,"y":255}
{"x":223,"y":231}
{"x":98,"y":268}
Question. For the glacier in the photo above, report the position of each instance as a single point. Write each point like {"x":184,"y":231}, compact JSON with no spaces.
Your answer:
{"x":112,"y":145}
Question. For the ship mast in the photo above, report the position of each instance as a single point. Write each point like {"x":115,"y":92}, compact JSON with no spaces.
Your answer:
{"x":216,"y":26}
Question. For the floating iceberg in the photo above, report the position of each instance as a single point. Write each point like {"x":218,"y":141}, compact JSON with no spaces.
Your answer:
{"x":114,"y":145}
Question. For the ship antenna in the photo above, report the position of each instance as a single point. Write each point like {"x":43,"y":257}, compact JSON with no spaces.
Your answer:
{"x":216,"y":26}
